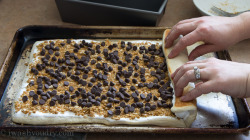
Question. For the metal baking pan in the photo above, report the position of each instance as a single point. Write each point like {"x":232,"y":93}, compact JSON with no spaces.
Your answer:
{"x":26,"y":36}
{"x":112,"y":12}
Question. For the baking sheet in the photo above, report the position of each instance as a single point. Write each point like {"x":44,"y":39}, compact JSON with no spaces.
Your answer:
{"x":214,"y":109}
{"x":234,"y":118}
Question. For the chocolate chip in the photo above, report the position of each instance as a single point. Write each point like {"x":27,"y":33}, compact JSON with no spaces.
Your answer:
{"x":110,"y":47}
{"x":109,"y":105}
{"x":128,"y":48}
{"x":118,"y":107}
{"x":136,"y":74}
{"x":134,"y":81}
{"x":67,"y":101}
{"x":25,"y":98}
{"x":34,"y":102}
{"x":123,"y":83}
{"x":31,"y":93}
{"x":90,"y":84}
{"x":119,"y":67}
{"x":32,"y":83}
{"x":110,"y":113}
{"x":136,"y":99}
{"x":73,"y":103}
{"x":147,"y":104}
{"x":142,"y":96}
{"x":139,"y":104}
{"x":165,"y":105}
{"x":126,"y":110}
{"x":46,"y":86}
{"x":47,"y":47}
{"x":134,"y":95}
{"x":105,"y":83}
{"x":45,"y":98}
{"x":42,"y":101}
{"x":142,"y":110}
{"x":111,"y":83}
{"x":99,"y":58}
{"x":159,"y":104}
{"x":103,"y":97}
{"x":65,"y":83}
{"x":93,"y":101}
{"x":42,"y":52}
{"x":124,"y":64}
{"x":126,"y":99}
{"x":92,"y":62}
{"x":51,"y":51}
{"x":132,"y":88}
{"x":143,"y":79}
{"x":90,"y":45}
{"x":97,"y":103}
{"x":55,"y":85}
{"x":117,"y":111}
{"x":40,"y":86}
{"x":133,"y":105}
{"x":147,"y":108}
{"x":104,"y":77}
{"x":71,"y":88}
{"x":83,"y":82}
{"x":166,"y":96}
{"x":110,"y":99}
{"x":67,"y":62}
{"x":52,"y":103}
{"x":127,"y":80}
{"x":105,"y":52}
{"x":83,"y":104}
{"x":153,"y":107}
{"x":155,"y":98}
{"x":68,"y":41}
{"x":140,"y":85}
{"x":89,"y":104}
{"x":134,"y":48}
{"x":35,"y":97}
{"x":93,"y":79}
{"x":122,"y":104}
{"x":150,"y":85}
{"x":142,"y":70}
{"x":77,"y":72}
{"x":126,"y":94}
{"x":57,"y":53}
{"x":99,"y":84}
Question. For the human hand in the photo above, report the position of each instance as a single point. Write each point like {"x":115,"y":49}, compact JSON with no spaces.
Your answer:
{"x":230,"y":78}
{"x":218,"y":33}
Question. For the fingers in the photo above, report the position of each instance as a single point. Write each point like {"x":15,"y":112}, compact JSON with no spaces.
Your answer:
{"x":184,"y":69}
{"x":203,"y":88}
{"x":179,"y":29}
{"x":189,"y":62}
{"x":187,"y":40}
{"x":201,"y":50}
{"x":189,"y":76}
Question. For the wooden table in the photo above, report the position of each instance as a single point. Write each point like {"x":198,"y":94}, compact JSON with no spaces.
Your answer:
{"x":15,"y":14}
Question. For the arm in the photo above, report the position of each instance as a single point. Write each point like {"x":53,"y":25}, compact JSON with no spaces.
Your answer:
{"x":218,"y":33}
{"x":228,"y":77}
{"x":245,"y":19}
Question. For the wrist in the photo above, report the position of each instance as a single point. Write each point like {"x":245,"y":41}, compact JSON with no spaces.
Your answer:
{"x":244,"y":25}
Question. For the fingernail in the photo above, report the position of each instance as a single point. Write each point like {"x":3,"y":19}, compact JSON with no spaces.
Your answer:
{"x":183,"y":98}
{"x":166,"y":39}
{"x":170,"y":55}
{"x":172,"y":76}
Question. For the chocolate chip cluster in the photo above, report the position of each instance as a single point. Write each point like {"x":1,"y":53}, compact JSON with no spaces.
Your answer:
{"x":123,"y":76}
